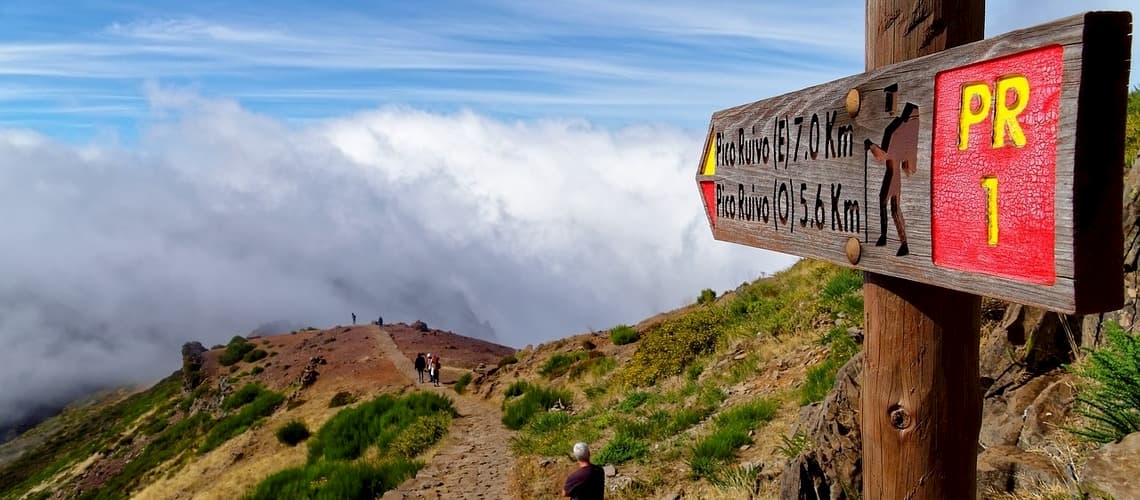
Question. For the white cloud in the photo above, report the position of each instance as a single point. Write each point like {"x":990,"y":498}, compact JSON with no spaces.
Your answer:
{"x":220,"y":219}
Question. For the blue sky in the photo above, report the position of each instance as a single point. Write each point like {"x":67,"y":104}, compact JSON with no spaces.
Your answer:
{"x":77,"y":70}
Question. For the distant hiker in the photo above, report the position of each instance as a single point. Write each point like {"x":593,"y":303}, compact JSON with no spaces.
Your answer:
{"x":589,"y":481}
{"x":354,"y":318}
{"x":421,"y":363}
{"x":435,"y":370}
{"x":379,"y":321}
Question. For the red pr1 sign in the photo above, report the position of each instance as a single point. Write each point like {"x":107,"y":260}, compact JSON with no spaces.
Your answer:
{"x":995,"y":146}
{"x":993,"y":168}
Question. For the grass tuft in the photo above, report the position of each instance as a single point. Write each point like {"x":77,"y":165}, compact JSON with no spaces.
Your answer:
{"x":624,"y":334}
{"x":293,"y":432}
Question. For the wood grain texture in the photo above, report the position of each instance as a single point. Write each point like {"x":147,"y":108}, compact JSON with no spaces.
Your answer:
{"x":921,"y":407}
{"x":754,"y":150}
{"x":922,"y":396}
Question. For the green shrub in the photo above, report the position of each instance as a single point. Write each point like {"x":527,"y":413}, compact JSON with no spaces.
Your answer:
{"x":668,"y":348}
{"x":821,"y":377}
{"x":508,"y":360}
{"x":708,"y":296}
{"x":330,"y":479}
{"x":255,"y":355}
{"x":242,"y":397}
{"x":843,"y":293}
{"x":1109,"y":398}
{"x":794,"y":446}
{"x":558,"y":364}
{"x":516,"y":389}
{"x":549,"y":422}
{"x":462,"y":381}
{"x":257,"y":370}
{"x":622,"y":448}
{"x":293,"y":432}
{"x":262,"y":406}
{"x":420,"y":435}
{"x":535,"y":400}
{"x":375,"y":423}
{"x":595,"y":362}
{"x":633,"y":400}
{"x":235,"y":350}
{"x":623,"y":334}
{"x":730,"y":433}
{"x":684,"y":419}
{"x":342,"y":398}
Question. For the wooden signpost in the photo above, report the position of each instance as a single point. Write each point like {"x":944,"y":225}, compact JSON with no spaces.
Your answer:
{"x":991,"y":168}
{"x":986,"y":168}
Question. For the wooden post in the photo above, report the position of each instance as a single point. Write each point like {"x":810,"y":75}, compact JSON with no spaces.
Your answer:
{"x":922,"y":400}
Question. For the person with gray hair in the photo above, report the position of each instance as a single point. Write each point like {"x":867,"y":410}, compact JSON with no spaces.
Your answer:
{"x":589,"y":481}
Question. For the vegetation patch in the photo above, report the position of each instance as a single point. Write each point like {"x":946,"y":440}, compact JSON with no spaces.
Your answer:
{"x":633,"y":400}
{"x":622,"y":448}
{"x":668,"y":348}
{"x":508,"y":360}
{"x":375,"y":423}
{"x":84,"y":432}
{"x":342,"y":398}
{"x":334,"y":479}
{"x":293,"y":432}
{"x":262,"y":406}
{"x":243,"y":396}
{"x":530,"y":400}
{"x":821,"y":377}
{"x":236,"y":349}
{"x":421,"y":435}
{"x":255,"y":355}
{"x":558,"y":364}
{"x":1109,"y":398}
{"x":707,"y":296}
{"x":623,"y":334}
{"x":399,"y":427}
{"x":731,"y":432}
{"x":176,"y":440}
{"x":1132,"y":128}
{"x":462,"y":381}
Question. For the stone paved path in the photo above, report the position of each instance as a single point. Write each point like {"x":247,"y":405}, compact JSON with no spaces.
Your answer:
{"x":473,"y":461}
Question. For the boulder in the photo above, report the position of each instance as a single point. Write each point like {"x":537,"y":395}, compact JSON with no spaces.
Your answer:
{"x":832,"y":467}
{"x":1114,"y":470}
{"x":420,"y":326}
{"x":192,"y":361}
{"x":1006,"y":468}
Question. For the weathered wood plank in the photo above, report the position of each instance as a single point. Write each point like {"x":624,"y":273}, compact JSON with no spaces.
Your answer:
{"x":812,"y":175}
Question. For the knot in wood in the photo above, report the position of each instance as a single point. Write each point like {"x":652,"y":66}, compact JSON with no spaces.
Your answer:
{"x":900,"y":418}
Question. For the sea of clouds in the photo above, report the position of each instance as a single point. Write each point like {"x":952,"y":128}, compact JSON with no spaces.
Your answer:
{"x":218,"y":219}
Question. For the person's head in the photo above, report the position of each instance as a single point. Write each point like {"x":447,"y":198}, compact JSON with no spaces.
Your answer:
{"x":582,"y":452}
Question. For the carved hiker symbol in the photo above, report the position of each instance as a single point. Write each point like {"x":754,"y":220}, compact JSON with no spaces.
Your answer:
{"x":899,"y":152}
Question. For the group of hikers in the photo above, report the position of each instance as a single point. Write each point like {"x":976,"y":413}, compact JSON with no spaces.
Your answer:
{"x":430,"y":364}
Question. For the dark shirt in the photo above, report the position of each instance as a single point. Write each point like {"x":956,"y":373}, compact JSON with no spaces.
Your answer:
{"x":420,"y":363}
{"x":586,"y":483}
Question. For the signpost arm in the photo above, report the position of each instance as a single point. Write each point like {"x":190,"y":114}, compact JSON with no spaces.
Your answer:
{"x":921,"y":403}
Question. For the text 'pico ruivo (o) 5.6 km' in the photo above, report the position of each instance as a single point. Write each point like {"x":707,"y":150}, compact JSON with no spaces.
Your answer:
{"x":994,"y":168}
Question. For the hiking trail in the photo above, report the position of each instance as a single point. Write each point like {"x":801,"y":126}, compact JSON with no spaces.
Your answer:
{"x":473,"y":461}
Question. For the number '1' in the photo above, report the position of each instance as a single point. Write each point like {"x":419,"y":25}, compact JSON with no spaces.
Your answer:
{"x":990,"y":184}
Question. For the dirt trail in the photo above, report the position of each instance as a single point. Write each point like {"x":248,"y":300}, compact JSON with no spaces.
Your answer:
{"x":474,"y":460}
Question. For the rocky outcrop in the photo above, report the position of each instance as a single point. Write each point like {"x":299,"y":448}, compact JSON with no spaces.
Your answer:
{"x":192,"y":361}
{"x":831,"y":468}
{"x":1004,"y":469}
{"x":1114,"y":470}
